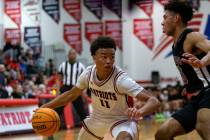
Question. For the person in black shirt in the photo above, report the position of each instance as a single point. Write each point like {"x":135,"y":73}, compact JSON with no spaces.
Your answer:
{"x":3,"y":92}
{"x":191,"y":51}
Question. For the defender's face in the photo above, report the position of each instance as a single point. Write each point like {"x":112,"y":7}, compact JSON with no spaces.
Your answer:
{"x":169,"y":23}
{"x":104,"y":59}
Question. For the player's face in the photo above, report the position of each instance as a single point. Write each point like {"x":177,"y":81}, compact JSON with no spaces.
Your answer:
{"x":169,"y":23}
{"x":104,"y":59}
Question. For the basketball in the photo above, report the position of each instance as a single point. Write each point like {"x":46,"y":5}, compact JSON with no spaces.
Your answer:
{"x":45,"y":121}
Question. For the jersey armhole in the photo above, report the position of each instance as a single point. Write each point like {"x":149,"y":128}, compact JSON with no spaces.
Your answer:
{"x":115,"y":82}
{"x":89,"y":76}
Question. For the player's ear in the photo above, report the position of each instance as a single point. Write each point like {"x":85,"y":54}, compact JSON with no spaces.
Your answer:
{"x":93,"y":57}
{"x":177,"y":18}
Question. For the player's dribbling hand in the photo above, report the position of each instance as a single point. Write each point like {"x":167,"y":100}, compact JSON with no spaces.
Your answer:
{"x":36,"y":110}
{"x":134,"y":114}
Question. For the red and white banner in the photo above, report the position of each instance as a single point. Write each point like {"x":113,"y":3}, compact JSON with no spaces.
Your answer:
{"x":93,"y":30}
{"x":163,"y":2}
{"x":33,"y":10}
{"x":73,"y":8}
{"x":113,"y":28}
{"x":16,"y":118}
{"x":12,"y":35}
{"x":13,"y":9}
{"x":146,"y":6}
{"x":143,"y":29}
{"x":72,"y":36}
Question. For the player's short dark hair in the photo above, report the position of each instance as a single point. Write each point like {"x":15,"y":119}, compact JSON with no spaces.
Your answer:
{"x":183,"y":8}
{"x":102,"y":42}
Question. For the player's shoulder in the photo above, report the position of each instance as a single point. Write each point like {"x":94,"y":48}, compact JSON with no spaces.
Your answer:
{"x":88,"y":69}
{"x":195,"y":36}
{"x":118,"y":70}
{"x":120,"y":73}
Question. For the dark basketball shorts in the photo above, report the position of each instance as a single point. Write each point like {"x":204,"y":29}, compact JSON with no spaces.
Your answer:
{"x":187,"y":116}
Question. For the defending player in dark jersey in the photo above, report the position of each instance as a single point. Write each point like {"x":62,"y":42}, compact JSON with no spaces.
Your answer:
{"x":191,"y":51}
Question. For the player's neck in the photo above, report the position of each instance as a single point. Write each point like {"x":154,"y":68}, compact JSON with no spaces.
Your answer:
{"x":177,"y":33}
{"x":102,"y":75}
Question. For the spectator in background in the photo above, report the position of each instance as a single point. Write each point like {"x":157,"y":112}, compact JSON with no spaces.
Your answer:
{"x":40,"y":78}
{"x":1,"y":56}
{"x":3,"y":92}
{"x":17,"y":91}
{"x":13,"y":50}
{"x":16,"y":51}
{"x":2,"y":76}
{"x":7,"y":46}
{"x":175,"y":98}
{"x":27,"y":90}
{"x":53,"y":82}
{"x":31,"y":68}
{"x":49,"y":66}
{"x":164,"y":101}
{"x":22,"y":59}
{"x":40,"y":64}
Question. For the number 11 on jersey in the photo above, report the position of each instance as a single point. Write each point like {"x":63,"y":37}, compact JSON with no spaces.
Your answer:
{"x":105,"y":103}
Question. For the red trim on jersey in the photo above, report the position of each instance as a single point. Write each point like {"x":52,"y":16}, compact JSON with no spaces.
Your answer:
{"x":115,"y":124}
{"x":101,"y":83}
{"x":115,"y":82}
{"x":89,"y":75}
{"x":86,"y":129}
{"x":129,"y":101}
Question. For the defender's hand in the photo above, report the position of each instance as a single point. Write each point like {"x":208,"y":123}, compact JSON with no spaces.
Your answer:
{"x":192,"y":60}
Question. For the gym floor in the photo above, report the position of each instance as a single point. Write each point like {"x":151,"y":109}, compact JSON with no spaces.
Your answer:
{"x":147,"y":131}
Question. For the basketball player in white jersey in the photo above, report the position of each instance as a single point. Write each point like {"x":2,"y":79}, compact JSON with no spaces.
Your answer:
{"x":111,"y":89}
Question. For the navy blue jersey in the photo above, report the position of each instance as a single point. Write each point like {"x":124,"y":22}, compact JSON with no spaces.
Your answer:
{"x":194,"y":78}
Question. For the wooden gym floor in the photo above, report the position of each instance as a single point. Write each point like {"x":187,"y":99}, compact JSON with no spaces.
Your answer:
{"x":147,"y":131}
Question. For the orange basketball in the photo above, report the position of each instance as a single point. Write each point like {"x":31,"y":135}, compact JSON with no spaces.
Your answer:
{"x":45,"y":121}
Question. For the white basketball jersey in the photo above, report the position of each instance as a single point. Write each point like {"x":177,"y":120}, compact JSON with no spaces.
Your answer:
{"x":110,"y":97}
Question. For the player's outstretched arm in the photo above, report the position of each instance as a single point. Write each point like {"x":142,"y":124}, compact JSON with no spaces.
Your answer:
{"x":64,"y":98}
{"x":150,"y":106}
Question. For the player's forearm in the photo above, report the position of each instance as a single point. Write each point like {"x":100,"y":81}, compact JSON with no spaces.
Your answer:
{"x":151,"y":106}
{"x":61,"y":100}
{"x":206,"y":60}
